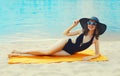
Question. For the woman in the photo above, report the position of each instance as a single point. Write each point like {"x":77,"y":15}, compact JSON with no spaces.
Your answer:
{"x":91,"y":29}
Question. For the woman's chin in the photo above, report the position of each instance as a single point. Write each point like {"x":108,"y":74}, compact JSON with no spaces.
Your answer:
{"x":91,"y":29}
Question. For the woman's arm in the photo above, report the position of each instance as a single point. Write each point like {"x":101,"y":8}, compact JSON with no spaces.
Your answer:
{"x":97,"y":52}
{"x":67,"y":31}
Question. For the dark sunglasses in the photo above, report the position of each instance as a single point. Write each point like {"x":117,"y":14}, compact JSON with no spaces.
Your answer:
{"x":91,"y":23}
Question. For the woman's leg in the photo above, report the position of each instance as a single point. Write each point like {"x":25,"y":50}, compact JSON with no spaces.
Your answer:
{"x":62,"y":53}
{"x":50,"y":51}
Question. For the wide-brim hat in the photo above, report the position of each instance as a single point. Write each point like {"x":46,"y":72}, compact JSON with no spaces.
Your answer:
{"x":101,"y":27}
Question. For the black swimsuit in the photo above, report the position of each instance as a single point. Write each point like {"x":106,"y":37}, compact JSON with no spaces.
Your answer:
{"x":72,"y":48}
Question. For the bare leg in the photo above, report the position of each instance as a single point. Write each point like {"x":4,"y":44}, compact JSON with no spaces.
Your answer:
{"x":50,"y":51}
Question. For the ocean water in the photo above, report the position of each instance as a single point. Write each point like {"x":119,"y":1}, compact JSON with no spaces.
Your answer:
{"x":25,"y":20}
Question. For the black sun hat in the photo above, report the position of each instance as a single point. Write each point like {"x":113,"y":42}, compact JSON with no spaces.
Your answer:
{"x":101,"y":27}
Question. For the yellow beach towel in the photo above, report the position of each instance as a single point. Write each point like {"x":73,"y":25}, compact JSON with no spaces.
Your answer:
{"x":55,"y":59}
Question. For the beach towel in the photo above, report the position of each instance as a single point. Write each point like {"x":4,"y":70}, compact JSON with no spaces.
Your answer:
{"x":55,"y":59}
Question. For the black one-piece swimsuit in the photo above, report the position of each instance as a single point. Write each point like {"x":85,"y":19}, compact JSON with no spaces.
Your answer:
{"x":72,"y":48}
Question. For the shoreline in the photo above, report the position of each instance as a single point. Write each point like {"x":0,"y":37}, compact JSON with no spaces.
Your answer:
{"x":108,"y":36}
{"x":111,"y":36}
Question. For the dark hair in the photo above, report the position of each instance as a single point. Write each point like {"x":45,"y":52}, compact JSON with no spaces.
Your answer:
{"x":86,"y":30}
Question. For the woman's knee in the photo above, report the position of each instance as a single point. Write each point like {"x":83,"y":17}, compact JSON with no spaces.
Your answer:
{"x":48,"y":53}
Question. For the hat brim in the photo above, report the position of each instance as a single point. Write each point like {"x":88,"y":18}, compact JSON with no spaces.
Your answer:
{"x":102,"y":27}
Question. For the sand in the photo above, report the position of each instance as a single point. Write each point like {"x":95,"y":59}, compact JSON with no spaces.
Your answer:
{"x":77,"y":68}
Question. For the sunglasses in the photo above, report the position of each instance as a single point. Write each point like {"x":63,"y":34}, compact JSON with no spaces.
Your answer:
{"x":91,"y":23}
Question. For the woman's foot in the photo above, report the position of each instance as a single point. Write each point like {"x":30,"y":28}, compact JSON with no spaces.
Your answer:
{"x":16,"y":52}
{"x":13,"y":55}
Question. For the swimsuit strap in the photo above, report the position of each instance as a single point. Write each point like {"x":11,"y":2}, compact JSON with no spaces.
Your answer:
{"x":79,"y":39}
{"x":84,"y":46}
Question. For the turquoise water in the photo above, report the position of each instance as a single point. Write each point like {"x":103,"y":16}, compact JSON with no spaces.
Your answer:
{"x":44,"y":19}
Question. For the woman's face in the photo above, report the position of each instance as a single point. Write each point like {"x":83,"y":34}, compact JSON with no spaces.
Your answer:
{"x":91,"y":25}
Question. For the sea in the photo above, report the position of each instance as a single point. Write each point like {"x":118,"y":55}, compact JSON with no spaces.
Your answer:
{"x":41,"y":20}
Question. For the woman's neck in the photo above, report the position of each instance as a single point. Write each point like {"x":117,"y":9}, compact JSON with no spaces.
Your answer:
{"x":90,"y":32}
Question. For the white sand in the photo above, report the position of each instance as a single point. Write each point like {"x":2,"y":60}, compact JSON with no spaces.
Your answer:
{"x":109,"y":68}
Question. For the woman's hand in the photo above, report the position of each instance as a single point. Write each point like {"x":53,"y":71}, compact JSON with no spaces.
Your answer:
{"x":76,"y":22}
{"x":86,"y":58}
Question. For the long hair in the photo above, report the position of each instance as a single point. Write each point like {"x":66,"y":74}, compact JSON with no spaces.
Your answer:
{"x":86,"y":30}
